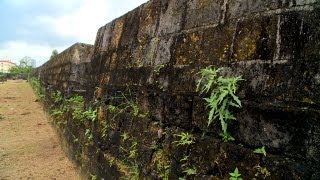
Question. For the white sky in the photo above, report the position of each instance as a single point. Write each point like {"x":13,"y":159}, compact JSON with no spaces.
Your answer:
{"x":41,"y":26}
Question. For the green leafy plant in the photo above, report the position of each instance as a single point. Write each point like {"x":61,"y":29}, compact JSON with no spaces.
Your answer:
{"x":156,"y":147}
{"x":226,"y":137}
{"x":77,"y":114}
{"x":129,"y":104}
{"x":104,"y":129}
{"x":134,"y":172}
{"x":88,"y":134}
{"x":235,"y":175}
{"x":187,"y":169}
{"x":133,"y":150}
{"x":111,"y":162}
{"x":37,"y":87}
{"x":76,"y":99}
{"x":56,"y":113}
{"x":57,"y":96}
{"x":185,"y":139}
{"x":262,"y":171}
{"x":93,"y":177}
{"x":190,"y":171}
{"x":90,"y":114}
{"x":162,"y":164}
{"x":158,"y":68}
{"x":111,"y":108}
{"x":125,"y":136}
{"x":222,"y":92}
{"x":261,"y":150}
{"x":76,"y":103}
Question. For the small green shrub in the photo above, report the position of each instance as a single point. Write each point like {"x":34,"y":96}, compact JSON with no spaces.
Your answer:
{"x":93,"y":177}
{"x":57,"y":96}
{"x":104,"y":129}
{"x":187,"y":169}
{"x":77,"y":114}
{"x":125,"y":136}
{"x":133,"y":150}
{"x":76,"y":99}
{"x":134,"y":172}
{"x":56,"y":113}
{"x":90,"y":114}
{"x":129,"y":104}
{"x":222,"y":92}
{"x":156,"y":147}
{"x":261,"y":150}
{"x":185,"y":139}
{"x":76,"y":103}
{"x":162,"y":163}
{"x":37,"y":87}
{"x":235,"y":175}
{"x":262,"y":171}
{"x":88,"y":134}
{"x":190,"y":171}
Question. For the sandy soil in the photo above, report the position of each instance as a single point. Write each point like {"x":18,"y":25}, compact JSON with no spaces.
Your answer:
{"x":29,"y":147}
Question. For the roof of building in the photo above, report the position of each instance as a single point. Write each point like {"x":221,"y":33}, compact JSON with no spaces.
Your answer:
{"x":7,"y":61}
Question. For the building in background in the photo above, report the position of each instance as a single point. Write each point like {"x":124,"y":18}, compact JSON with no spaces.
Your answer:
{"x":5,"y":65}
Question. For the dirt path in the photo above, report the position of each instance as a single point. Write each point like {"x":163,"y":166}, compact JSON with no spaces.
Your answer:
{"x":29,"y":147}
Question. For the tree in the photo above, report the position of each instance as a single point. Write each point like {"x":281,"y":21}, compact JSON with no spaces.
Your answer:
{"x":53,"y":54}
{"x":27,"y":61}
{"x":24,"y":68}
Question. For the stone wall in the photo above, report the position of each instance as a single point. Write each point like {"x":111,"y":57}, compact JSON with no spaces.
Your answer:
{"x":142,"y":81}
{"x":67,"y":71}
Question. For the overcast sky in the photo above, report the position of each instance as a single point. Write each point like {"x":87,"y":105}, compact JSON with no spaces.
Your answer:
{"x":36,"y":27}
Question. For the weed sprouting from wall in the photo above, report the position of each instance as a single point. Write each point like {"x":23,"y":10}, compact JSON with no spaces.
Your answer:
{"x":222,"y":95}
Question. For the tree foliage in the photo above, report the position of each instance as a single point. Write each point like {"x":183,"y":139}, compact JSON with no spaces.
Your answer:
{"x":53,"y":54}
{"x":24,"y":68}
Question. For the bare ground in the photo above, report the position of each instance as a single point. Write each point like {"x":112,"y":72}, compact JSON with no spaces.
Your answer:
{"x":29,"y":147}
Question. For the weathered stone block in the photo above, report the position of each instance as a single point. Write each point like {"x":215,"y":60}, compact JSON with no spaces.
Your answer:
{"x":116,"y":33}
{"x":304,"y":2}
{"x":203,"y":12}
{"x":291,"y":41}
{"x":181,"y":79}
{"x":309,"y":34}
{"x":171,"y":16}
{"x":239,"y":8}
{"x":255,"y":39}
{"x":187,"y":48}
{"x":217,"y":45}
{"x":156,"y":106}
{"x":144,"y":53}
{"x":122,"y":58}
{"x":131,"y":27}
{"x":103,"y":38}
{"x":178,"y":111}
{"x":163,"y":53}
{"x":149,"y":18}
